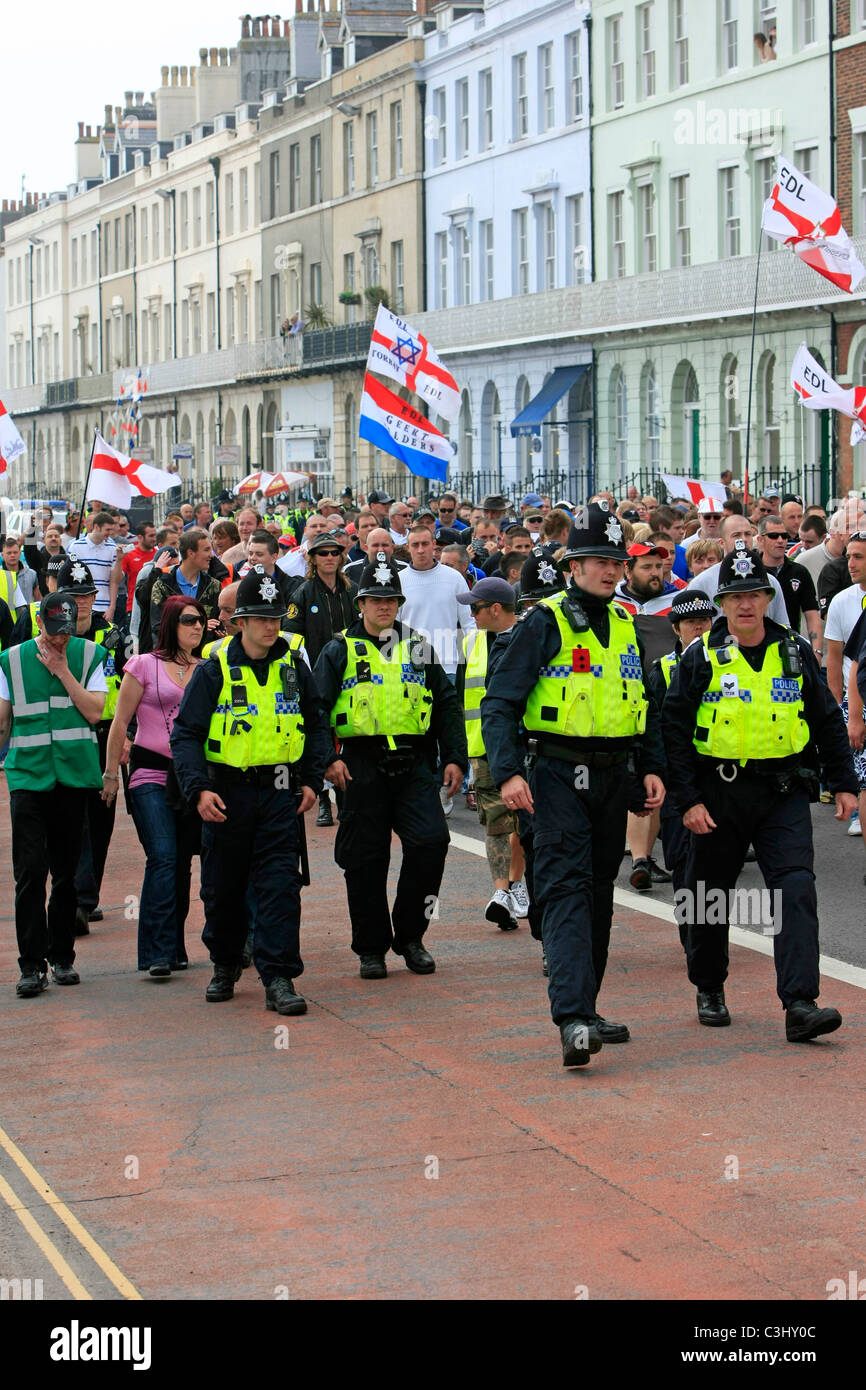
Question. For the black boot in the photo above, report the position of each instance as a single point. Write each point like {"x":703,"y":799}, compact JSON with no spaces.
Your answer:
{"x":804,"y":1020}
{"x":222,"y":986}
{"x":580,"y":1040}
{"x":712,"y":1009}
{"x":280,"y":997}
{"x":325,"y":816}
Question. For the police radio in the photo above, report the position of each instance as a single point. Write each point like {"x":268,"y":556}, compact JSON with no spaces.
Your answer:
{"x":792,"y":661}
{"x":289,"y":681}
{"x":577,"y":619}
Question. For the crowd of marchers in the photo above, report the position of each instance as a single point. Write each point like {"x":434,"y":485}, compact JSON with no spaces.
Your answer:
{"x":597,"y":677}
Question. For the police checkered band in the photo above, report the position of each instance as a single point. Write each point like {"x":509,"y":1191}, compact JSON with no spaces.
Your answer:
{"x":697,"y":607}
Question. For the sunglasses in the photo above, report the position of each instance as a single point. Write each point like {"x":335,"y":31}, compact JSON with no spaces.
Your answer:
{"x":329,"y":552}
{"x":190,"y":620}
{"x":477,"y":607}
{"x":775,"y":535}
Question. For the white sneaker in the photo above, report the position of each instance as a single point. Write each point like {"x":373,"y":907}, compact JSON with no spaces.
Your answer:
{"x":447,"y":801}
{"x":498,"y":910}
{"x":854,"y":827}
{"x":519,"y":899}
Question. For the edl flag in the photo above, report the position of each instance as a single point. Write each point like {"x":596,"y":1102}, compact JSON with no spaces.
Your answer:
{"x":397,"y":351}
{"x":397,"y":428}
{"x":807,"y":219}
{"x":116,"y":479}
{"x":11,"y":443}
{"x":818,"y":391}
{"x":693,"y":488}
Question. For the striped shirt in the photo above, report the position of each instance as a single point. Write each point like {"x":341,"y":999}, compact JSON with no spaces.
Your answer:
{"x":99,"y":559}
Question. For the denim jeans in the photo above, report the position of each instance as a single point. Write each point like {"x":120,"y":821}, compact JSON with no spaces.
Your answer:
{"x":167,"y":842}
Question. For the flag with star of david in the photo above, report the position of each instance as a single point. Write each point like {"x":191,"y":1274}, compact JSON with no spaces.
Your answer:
{"x":399,"y":352}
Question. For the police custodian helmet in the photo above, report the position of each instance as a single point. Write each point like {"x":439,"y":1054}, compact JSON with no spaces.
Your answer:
{"x":259,"y":596}
{"x":380,"y":580}
{"x":538,"y":577}
{"x":742,"y":572}
{"x":596,"y":532}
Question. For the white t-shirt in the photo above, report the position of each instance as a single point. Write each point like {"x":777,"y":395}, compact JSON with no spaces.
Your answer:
{"x":99,"y":559}
{"x":295,"y":563}
{"x":431,"y":608}
{"x":842,"y":614}
{"x":97,"y":682}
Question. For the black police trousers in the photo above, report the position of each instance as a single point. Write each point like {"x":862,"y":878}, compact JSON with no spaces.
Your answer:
{"x":579,"y":835}
{"x":46,"y":839}
{"x":256,"y":844}
{"x":374,"y":806}
{"x":751,"y":809}
{"x":675,"y":844}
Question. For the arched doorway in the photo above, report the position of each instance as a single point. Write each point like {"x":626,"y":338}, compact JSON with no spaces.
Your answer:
{"x":491,"y":416}
{"x":686,"y":422}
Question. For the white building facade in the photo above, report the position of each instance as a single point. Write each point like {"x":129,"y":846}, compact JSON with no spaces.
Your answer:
{"x":506,"y":183}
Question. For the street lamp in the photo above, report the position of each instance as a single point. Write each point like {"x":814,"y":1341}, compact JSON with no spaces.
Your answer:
{"x":34,"y":241}
{"x":169,"y":193}
{"x":214,"y":162}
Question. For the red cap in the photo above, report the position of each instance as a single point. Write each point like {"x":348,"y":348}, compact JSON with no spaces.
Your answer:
{"x":638,"y":548}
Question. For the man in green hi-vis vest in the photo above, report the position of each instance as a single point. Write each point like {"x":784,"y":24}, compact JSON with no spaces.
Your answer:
{"x":52,"y":694}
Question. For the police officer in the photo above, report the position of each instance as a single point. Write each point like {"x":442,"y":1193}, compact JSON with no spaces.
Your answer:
{"x":75,"y":578}
{"x":691,"y":615}
{"x":391,"y":707}
{"x":743,"y":712}
{"x":248,"y":733}
{"x":52,"y":693}
{"x":573,"y":674}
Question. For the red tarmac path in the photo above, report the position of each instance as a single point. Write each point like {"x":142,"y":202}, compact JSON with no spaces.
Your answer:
{"x":306,"y":1171}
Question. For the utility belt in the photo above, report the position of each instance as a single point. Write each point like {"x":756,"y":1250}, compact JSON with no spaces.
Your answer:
{"x":786,"y":776}
{"x":252,"y":776}
{"x":573,"y":751}
{"x":399,"y":760}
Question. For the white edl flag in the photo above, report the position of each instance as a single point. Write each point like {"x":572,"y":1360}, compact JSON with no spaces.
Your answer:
{"x":115,"y":478}
{"x":11,"y":443}
{"x":808,"y":220}
{"x":818,"y":391}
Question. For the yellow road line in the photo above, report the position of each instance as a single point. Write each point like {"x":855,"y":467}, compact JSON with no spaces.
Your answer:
{"x":45,"y":1243}
{"x":85,"y":1240}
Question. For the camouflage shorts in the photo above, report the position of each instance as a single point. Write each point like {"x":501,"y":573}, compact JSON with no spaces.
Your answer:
{"x":492,"y":811}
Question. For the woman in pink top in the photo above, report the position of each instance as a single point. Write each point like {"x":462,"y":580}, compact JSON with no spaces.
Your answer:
{"x":151,"y":692}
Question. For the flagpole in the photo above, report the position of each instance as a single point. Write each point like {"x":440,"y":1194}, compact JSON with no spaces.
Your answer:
{"x":751,"y":375}
{"x":86,"y":481}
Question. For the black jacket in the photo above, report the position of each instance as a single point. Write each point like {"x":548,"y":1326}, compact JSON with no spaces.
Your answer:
{"x":692,"y":678}
{"x":446,"y":733}
{"x":833,"y":578}
{"x":317,"y":612}
{"x":533,"y":643}
{"x":200,"y":699}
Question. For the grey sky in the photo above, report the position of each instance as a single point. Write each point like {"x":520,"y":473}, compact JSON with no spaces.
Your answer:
{"x":63,"y":63}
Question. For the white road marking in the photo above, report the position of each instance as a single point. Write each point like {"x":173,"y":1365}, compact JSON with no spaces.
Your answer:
{"x":835,"y":969}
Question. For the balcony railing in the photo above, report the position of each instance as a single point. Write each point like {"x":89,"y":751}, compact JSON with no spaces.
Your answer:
{"x":61,"y":392}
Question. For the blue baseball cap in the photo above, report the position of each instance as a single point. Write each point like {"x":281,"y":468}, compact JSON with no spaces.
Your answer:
{"x":490,"y":590}
{"x":532,"y":499}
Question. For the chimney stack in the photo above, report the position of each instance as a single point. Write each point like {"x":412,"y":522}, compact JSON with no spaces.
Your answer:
{"x":184,"y":74}
{"x":81,"y":130}
{"x":127,"y":98}
{"x":224,"y":57}
{"x":139,"y":98}
{"x":213,"y":57}
{"x":202,"y":57}
{"x":245,"y":26}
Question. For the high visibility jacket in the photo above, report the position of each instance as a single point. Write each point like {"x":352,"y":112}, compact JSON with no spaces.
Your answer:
{"x":113,"y":677}
{"x":747,"y":714}
{"x":34,"y":626}
{"x":589,"y":690}
{"x":475,"y":687}
{"x":384,"y":697}
{"x":51,"y":741}
{"x":668,"y":665}
{"x":8,"y":585}
{"x":253,"y":725}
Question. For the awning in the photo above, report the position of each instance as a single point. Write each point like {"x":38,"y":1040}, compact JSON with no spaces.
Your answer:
{"x":530,"y":418}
